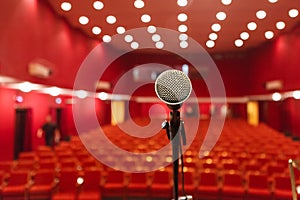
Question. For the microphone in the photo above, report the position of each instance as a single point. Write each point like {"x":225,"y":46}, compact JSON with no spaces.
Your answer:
{"x":173,"y":87}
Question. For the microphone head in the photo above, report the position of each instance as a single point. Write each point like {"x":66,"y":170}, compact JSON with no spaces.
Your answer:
{"x":173,"y":87}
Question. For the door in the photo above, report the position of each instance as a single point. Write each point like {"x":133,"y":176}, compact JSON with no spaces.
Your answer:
{"x":22,"y":139}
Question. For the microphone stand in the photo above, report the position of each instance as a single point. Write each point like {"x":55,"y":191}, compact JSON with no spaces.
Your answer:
{"x":172,"y":130}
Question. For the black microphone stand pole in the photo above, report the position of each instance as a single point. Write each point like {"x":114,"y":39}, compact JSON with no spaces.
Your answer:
{"x":175,"y":140}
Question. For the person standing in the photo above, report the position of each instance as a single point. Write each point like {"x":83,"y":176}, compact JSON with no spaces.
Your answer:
{"x":50,"y":131}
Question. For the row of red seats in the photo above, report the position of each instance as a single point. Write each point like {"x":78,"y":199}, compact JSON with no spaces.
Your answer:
{"x":242,"y":150}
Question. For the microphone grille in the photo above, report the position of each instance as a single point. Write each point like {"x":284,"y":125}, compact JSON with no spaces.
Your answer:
{"x":173,"y":87}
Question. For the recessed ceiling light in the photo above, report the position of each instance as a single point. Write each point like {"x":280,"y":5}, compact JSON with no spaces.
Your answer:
{"x":182,"y":17}
{"x":210,"y":44}
{"x":276,"y":96}
{"x":151,"y":29}
{"x":261,"y":14}
{"x":134,"y":45}
{"x":98,"y":5}
{"x":273,"y":1}
{"x":280,"y":25}
{"x":269,"y":34}
{"x":83,"y":20}
{"x":296,"y":94}
{"x":184,"y":44}
{"x":183,"y":36}
{"x":121,"y":30}
{"x":213,"y":36}
{"x":155,"y":38}
{"x":226,"y":2}
{"x":251,"y":26}
{"x":182,"y":3}
{"x":96,"y":30}
{"x":111,"y":19}
{"x":128,"y":38}
{"x":139,"y":4}
{"x":159,"y":44}
{"x":293,"y":13}
{"x":244,"y":36}
{"x":182,"y":28}
{"x":66,"y":6}
{"x":221,"y":16}
{"x":238,"y":43}
{"x":106,"y":38}
{"x":145,"y":18}
{"x":216,"y":27}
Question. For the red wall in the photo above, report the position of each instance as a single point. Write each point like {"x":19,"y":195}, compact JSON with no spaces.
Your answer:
{"x":278,"y":60}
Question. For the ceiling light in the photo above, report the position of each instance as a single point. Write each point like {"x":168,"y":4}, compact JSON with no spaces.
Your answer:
{"x":66,"y":6}
{"x":98,"y":5}
{"x":103,"y":96}
{"x":182,"y":17}
{"x":251,"y":26}
{"x":276,"y":96}
{"x":83,"y":20}
{"x":216,"y":27}
{"x":182,"y":3}
{"x":96,"y":30}
{"x":221,"y":16}
{"x":111,"y":19}
{"x":183,"y":44}
{"x":106,"y":38}
{"x":182,"y":28}
{"x":273,"y":1}
{"x":54,"y":91}
{"x":261,"y":14}
{"x":226,"y":2}
{"x":296,"y":94}
{"x":120,"y":30}
{"x":25,"y":87}
{"x":238,"y":43}
{"x":145,"y":18}
{"x":81,"y":94}
{"x":213,"y":36}
{"x":151,"y":29}
{"x":155,"y":38}
{"x":134,"y":45}
{"x":269,"y":34}
{"x":159,"y":44}
{"x":139,"y":4}
{"x":128,"y":38}
{"x":280,"y":25}
{"x":183,"y":36}
{"x":210,"y":44}
{"x":293,"y":13}
{"x":244,"y":36}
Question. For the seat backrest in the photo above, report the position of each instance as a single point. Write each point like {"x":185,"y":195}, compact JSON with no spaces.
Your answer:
{"x":68,"y":180}
{"x":232,"y":179}
{"x":18,"y":178}
{"x":161,"y":177}
{"x":92,"y":179}
{"x":208,"y":178}
{"x":282,"y":183}
{"x":138,"y":178}
{"x":258,"y":181}
{"x":43,"y":177}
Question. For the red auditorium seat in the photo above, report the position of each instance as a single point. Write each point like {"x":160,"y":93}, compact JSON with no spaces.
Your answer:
{"x":208,"y":187}
{"x":67,"y":185}
{"x":17,"y":187}
{"x":233,"y":186}
{"x":282,"y":188}
{"x":138,"y":185}
{"x":43,"y":184}
{"x":161,"y":186}
{"x":258,"y":187}
{"x":90,"y":188}
{"x":114,"y":185}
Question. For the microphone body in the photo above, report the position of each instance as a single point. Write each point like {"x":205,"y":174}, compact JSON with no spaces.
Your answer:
{"x":173,"y":87}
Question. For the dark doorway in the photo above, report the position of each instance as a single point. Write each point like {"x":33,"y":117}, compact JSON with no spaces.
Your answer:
{"x":22,"y":139}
